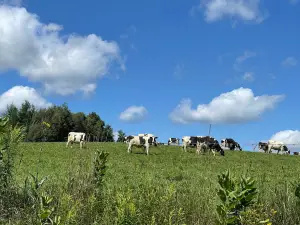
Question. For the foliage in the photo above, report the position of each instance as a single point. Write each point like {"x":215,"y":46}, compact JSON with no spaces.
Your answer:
{"x":62,"y":121}
{"x":121,"y":136}
{"x":239,"y":202}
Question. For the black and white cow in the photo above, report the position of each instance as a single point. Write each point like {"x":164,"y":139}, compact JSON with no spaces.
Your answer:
{"x":139,"y":141}
{"x":77,"y":137}
{"x":230,"y":143}
{"x":189,"y":141}
{"x":173,"y":141}
{"x":210,"y":143}
{"x":275,"y":145}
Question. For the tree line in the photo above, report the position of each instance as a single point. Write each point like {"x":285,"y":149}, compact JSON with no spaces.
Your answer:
{"x":54,"y":123}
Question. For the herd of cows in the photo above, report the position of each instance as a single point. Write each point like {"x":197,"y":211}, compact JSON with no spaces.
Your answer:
{"x":201,"y":143}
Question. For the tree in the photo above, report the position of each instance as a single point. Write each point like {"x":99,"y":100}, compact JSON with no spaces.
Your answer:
{"x":121,"y":136}
{"x":61,"y":121}
{"x":12,"y":114}
{"x":79,"y":120}
{"x":108,"y":133}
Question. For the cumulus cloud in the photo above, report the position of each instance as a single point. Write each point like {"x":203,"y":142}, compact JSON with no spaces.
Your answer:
{"x":237,"y":106}
{"x":236,"y":9}
{"x":134,"y":114}
{"x":63,"y":64}
{"x":289,"y":61}
{"x":18,"y":94}
{"x":249,"y":76}
{"x":288,"y":137}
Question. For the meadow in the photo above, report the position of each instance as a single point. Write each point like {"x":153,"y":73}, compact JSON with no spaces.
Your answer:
{"x":166,"y":187}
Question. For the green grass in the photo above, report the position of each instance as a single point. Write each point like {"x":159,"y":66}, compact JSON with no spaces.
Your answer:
{"x":168,"y":183}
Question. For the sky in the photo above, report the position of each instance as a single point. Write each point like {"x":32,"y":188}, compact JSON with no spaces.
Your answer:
{"x":169,"y":68}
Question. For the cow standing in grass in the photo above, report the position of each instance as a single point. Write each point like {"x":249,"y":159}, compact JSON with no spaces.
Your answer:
{"x":173,"y":140}
{"x":139,"y":141}
{"x":154,"y":142}
{"x":230,"y":143}
{"x":210,"y":143}
{"x":189,"y":141}
{"x":76,"y":137}
{"x":275,"y":145}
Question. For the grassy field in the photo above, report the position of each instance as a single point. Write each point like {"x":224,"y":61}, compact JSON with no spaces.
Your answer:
{"x":166,"y":187}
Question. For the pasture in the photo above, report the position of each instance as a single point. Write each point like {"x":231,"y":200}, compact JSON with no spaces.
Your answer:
{"x":166,"y":187}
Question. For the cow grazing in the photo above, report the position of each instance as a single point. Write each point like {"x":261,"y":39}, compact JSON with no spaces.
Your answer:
{"x":173,"y":141}
{"x":139,"y":141}
{"x":76,"y":137}
{"x":210,"y":143}
{"x":275,"y":145}
{"x":279,"y":146}
{"x":230,"y":143}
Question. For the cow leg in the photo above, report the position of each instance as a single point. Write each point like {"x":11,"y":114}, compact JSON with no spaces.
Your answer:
{"x":67,"y":144}
{"x":213,"y":151}
{"x":129,"y":147}
{"x":80,"y":144}
{"x":147,"y":149}
{"x":184,"y":147}
{"x":198,"y":149}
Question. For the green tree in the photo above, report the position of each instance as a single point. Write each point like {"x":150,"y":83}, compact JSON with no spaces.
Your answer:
{"x":12,"y":114}
{"x":121,"y":136}
{"x":108,"y":133}
{"x":25,"y":115}
{"x":79,"y":120}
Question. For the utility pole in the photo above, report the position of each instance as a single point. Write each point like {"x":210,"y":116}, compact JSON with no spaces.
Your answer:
{"x":209,"y":130}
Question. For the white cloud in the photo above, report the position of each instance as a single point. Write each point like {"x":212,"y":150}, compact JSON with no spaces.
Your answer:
{"x":288,"y":137}
{"x":249,"y":76}
{"x":63,"y":64}
{"x":236,"y":9}
{"x":18,"y":94}
{"x":134,"y":114}
{"x":289,"y":61}
{"x":245,"y":56}
{"x":237,"y":106}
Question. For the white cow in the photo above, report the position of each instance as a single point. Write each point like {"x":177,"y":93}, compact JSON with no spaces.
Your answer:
{"x":277,"y":145}
{"x":77,"y":137}
{"x":139,"y":141}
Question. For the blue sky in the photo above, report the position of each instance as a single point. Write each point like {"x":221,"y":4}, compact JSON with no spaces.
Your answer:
{"x":154,"y":56}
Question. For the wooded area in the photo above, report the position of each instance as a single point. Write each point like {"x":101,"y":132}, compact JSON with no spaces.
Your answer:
{"x":61,"y":121}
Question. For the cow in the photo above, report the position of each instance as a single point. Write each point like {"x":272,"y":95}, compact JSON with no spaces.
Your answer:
{"x":210,"y":143}
{"x":154,"y":142}
{"x":230,"y":143}
{"x":189,"y":141}
{"x":275,"y":145}
{"x":173,"y":140}
{"x":139,"y":141}
{"x":279,"y":146}
{"x":263,"y":146}
{"x":77,"y":137}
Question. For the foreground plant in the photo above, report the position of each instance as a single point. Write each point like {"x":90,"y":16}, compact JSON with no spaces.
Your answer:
{"x":239,"y":201}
